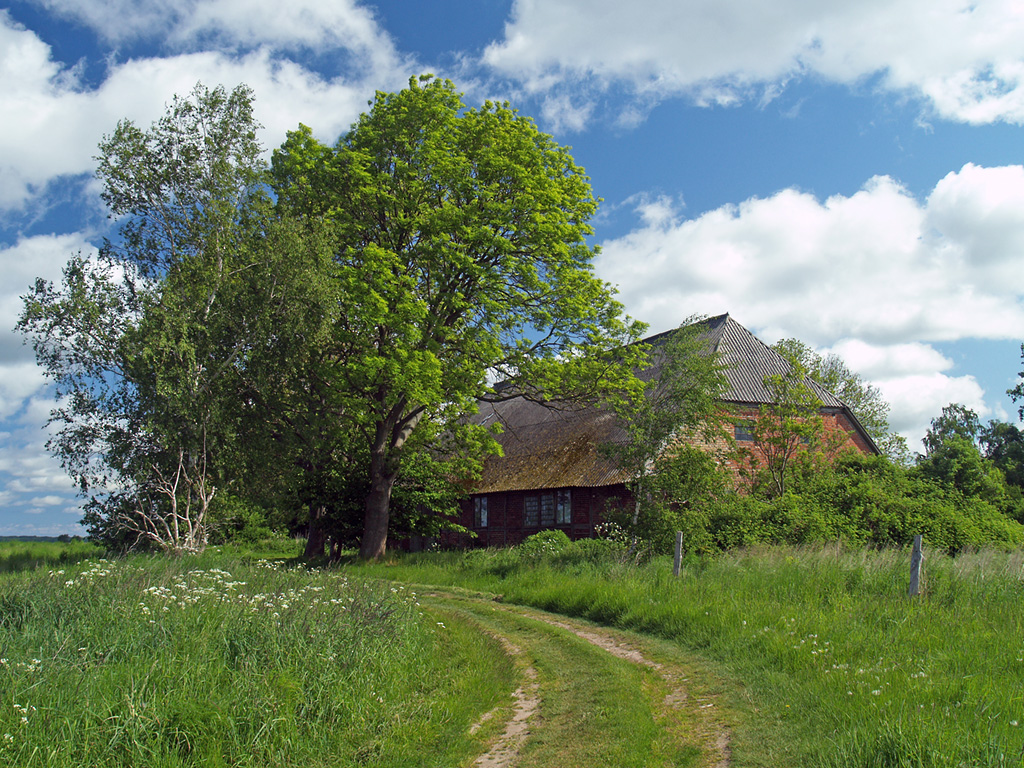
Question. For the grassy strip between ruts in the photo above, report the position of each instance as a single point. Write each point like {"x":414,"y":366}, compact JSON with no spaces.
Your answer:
{"x":211,"y":662}
{"x":841,"y":668}
{"x":599,"y":709}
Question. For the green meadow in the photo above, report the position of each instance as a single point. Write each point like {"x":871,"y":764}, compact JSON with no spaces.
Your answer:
{"x":225,"y":661}
{"x":819,"y":656}
{"x":829,"y":661}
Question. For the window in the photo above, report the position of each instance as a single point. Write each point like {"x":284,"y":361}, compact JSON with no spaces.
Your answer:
{"x":563,"y":507}
{"x":531,"y":511}
{"x":480,"y":511}
{"x":744,"y":432}
{"x":547,"y":509}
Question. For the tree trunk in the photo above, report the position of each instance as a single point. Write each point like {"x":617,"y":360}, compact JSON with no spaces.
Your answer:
{"x":317,"y":535}
{"x":375,"y":524}
{"x":391,"y":434}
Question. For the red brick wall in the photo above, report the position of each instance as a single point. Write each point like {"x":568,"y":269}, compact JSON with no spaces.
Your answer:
{"x":505,"y":512}
{"x":740,"y":457}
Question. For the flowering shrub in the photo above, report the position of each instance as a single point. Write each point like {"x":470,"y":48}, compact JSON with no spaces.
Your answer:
{"x":544,"y":543}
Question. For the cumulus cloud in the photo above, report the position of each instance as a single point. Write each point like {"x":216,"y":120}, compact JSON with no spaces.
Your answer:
{"x":913,"y":379}
{"x":562,"y":115}
{"x":877,"y":276}
{"x":965,"y":60}
{"x":42,"y":256}
{"x":31,"y":480}
{"x":244,"y":24}
{"x":60,"y":121}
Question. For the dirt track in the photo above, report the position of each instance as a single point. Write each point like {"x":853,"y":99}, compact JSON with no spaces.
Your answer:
{"x":692,"y":720}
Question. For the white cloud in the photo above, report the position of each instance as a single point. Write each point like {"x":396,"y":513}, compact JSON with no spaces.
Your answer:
{"x":18,"y":382}
{"x":20,"y":378}
{"x":31,"y":478}
{"x":245,"y":24}
{"x":877,"y":362}
{"x":562,"y":114}
{"x":47,"y":501}
{"x":916,"y":400}
{"x":40,"y":256}
{"x":59,"y":122}
{"x":966,"y":60}
{"x":913,"y":380}
{"x":878,"y":276}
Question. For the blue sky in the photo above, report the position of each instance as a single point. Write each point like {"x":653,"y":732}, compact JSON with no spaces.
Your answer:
{"x":849,"y":174}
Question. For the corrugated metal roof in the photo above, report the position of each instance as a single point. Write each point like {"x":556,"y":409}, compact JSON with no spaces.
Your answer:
{"x":749,"y":361}
{"x":545,"y":447}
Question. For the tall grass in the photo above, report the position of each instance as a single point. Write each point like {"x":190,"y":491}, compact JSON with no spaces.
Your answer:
{"x":829,"y":648}
{"x":26,"y":555}
{"x":203,"y":662}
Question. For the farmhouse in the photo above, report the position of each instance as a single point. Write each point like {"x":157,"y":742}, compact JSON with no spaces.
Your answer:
{"x":553,"y":473}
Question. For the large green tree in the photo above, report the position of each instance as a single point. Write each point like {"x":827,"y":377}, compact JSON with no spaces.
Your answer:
{"x":143,"y":340}
{"x":953,"y":458}
{"x":1017,"y":392}
{"x":461,"y":257}
{"x":1003,"y":445}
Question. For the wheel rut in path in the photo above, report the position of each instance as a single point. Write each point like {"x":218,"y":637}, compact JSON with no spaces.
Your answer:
{"x":712,"y":737}
{"x":505,"y":751}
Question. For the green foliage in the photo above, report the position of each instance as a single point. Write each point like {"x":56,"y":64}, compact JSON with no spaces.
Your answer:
{"x":142,"y":342}
{"x":458,"y":247}
{"x":543,"y":543}
{"x":954,"y":460}
{"x":319,"y":348}
{"x":234,"y":519}
{"x":956,"y":422}
{"x":862,"y":500}
{"x":670,"y":479}
{"x":786,"y":428}
{"x":1017,"y":392}
{"x":683,"y":487}
{"x":863,"y":398}
{"x":1003,"y":445}
{"x":594,"y":552}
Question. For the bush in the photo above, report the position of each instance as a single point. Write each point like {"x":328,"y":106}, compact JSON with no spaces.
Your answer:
{"x":544,"y":543}
{"x":862,"y":500}
{"x":233,"y":519}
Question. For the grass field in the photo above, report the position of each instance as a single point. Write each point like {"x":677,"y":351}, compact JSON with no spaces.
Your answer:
{"x":230,"y":660}
{"x":840,"y":667}
{"x":155,"y":662}
{"x":25,"y":556}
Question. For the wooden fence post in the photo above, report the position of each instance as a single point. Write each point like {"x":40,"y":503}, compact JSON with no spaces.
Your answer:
{"x":915,"y":567}
{"x":679,"y":554}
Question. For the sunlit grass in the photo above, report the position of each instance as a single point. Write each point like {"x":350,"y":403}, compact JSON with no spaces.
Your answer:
{"x":27,"y":555}
{"x":212,"y":662}
{"x":844,"y":666}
